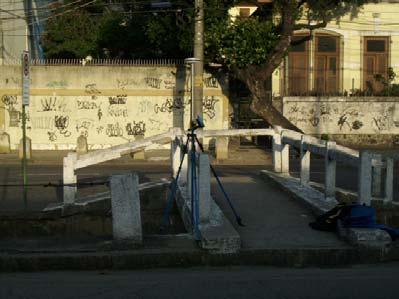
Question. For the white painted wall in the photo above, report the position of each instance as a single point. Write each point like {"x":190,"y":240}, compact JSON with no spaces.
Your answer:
{"x":339,"y":115}
{"x":110,"y":105}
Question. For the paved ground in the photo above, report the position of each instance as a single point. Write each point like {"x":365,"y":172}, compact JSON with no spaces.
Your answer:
{"x":367,"y":282}
{"x":272,"y":219}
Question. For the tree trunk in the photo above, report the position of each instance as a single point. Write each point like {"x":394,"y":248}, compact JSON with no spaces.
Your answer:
{"x":255,"y":77}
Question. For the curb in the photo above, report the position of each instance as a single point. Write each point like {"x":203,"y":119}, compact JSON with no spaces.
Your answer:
{"x":124,"y":260}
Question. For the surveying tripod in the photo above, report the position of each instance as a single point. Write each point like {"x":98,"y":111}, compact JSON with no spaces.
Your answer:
{"x":193,"y":140}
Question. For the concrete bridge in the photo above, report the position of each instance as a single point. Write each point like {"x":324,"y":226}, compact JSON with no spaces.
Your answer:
{"x":216,"y":231}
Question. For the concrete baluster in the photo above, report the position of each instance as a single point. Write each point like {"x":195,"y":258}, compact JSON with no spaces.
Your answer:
{"x":276,"y":148}
{"x":175,"y":151}
{"x":305,"y":162}
{"x":364,"y":177}
{"x":330,"y":171}
{"x":69,"y":177}
{"x":389,"y":180}
{"x":376,"y":180}
{"x":285,"y":156}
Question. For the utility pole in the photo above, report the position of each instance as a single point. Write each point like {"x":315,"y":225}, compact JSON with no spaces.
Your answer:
{"x":29,"y":25}
{"x":198,"y":54}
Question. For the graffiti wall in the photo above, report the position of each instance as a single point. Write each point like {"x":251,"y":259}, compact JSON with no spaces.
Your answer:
{"x":108,"y":106}
{"x":348,"y":115}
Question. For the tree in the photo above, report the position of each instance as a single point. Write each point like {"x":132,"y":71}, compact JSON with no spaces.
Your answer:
{"x":253,"y":48}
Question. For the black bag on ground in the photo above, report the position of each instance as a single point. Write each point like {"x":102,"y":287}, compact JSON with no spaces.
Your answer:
{"x":328,"y":221}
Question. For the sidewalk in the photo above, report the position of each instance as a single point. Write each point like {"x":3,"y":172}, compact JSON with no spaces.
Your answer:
{"x":276,"y":230}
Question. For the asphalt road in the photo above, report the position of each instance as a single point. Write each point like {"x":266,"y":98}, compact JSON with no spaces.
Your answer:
{"x":374,"y":282}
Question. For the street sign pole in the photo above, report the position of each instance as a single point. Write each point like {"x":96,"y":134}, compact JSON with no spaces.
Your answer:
{"x":25,"y":102}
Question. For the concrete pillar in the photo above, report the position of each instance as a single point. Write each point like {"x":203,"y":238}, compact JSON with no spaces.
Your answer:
{"x":5,"y":147}
{"x":389,"y":180}
{"x":28,"y":149}
{"x":377,"y":171}
{"x":305,"y":162}
{"x":69,"y":177}
{"x":125,"y":204}
{"x":175,"y":155}
{"x":222,"y":148}
{"x":330,"y":171}
{"x":285,"y":156}
{"x":81,"y":145}
{"x":276,"y":148}
{"x":204,"y":187}
{"x":364,"y":177}
{"x":184,"y":168}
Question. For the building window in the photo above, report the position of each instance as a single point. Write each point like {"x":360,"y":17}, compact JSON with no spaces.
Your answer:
{"x":375,"y":64}
{"x":326,"y":75}
{"x":298,"y":67}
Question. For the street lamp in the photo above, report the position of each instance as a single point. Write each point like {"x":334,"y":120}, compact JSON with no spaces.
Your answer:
{"x":191,"y":62}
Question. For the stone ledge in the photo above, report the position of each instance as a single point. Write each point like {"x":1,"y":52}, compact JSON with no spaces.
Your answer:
{"x":315,"y":200}
{"x":311,"y":197}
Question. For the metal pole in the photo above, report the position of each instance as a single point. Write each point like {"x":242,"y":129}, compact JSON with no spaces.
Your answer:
{"x":24,"y":162}
{"x":192,"y":116}
{"x":198,"y":54}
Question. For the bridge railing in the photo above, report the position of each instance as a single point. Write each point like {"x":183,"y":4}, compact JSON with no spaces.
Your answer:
{"x":370,"y":164}
{"x":73,"y":162}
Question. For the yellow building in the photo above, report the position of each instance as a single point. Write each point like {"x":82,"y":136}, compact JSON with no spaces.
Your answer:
{"x":345,"y":58}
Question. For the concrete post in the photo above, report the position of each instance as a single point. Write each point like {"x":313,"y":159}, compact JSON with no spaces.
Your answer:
{"x":175,"y":157}
{"x":330,"y":171}
{"x":5,"y":147}
{"x":276,"y":148}
{"x":305,"y":162}
{"x":204,"y":187}
{"x":364,"y":177}
{"x":222,"y":148}
{"x":389,"y":180}
{"x":285,"y":156}
{"x":28,"y":146}
{"x":184,"y":168}
{"x":376,"y":180}
{"x":125,"y":204}
{"x":69,"y":177}
{"x":81,"y":145}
